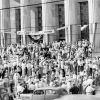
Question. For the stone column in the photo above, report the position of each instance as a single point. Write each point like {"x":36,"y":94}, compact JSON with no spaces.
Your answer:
{"x":94,"y":23}
{"x":33,"y":18}
{"x":1,"y":44}
{"x":13,"y":26}
{"x":49,"y":20}
{"x":72,"y":21}
{"x":25,"y":18}
{"x":5,"y":22}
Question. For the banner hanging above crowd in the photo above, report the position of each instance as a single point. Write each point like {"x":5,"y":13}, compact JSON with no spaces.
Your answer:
{"x":35,"y":36}
{"x":46,"y":31}
{"x":35,"y":33}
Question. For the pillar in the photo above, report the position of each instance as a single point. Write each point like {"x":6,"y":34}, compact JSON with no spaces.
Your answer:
{"x":94,"y":23}
{"x":25,"y":19}
{"x":33,"y":18}
{"x":5,"y":22}
{"x":13,"y":25}
{"x":72,"y":21}
{"x":49,"y":20}
{"x":1,"y":44}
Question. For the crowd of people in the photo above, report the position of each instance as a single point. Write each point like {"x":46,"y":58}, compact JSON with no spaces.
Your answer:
{"x":56,"y":64}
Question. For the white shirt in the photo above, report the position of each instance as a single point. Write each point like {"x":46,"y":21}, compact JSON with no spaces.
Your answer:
{"x":23,"y":66}
{"x":94,"y":66}
{"x":31,"y":86}
{"x":89,"y":89}
{"x":62,"y":64}
{"x":16,"y":76}
{"x":64,"y":86}
{"x":89,"y":81}
{"x":68,"y":85}
{"x":51,"y":84}
{"x":36,"y":85}
{"x":19,"y":88}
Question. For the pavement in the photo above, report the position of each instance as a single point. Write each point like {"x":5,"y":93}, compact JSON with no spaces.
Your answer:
{"x":76,"y":97}
{"x":17,"y":98}
{"x":80,"y":97}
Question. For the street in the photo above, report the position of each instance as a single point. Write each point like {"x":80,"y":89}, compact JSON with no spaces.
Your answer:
{"x":80,"y":97}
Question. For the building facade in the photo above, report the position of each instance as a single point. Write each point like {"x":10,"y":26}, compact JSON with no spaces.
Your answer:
{"x":65,"y":17}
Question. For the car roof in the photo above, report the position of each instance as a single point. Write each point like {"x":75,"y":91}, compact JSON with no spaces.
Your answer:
{"x":49,"y":88}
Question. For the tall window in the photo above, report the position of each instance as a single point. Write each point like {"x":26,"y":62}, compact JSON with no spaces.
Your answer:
{"x":18,"y":24}
{"x":61,"y":21}
{"x":84,"y":16}
{"x":39,"y":10}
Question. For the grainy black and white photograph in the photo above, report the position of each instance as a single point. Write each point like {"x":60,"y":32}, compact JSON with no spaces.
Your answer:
{"x":49,"y":49}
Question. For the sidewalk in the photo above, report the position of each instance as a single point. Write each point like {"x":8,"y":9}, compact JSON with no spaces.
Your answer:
{"x":17,"y":98}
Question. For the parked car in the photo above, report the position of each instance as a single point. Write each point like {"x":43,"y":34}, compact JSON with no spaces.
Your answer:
{"x":4,"y":95}
{"x":48,"y":93}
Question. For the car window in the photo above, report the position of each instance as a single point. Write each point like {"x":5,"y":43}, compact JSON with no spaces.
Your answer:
{"x":48,"y":92}
{"x":38,"y":92}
